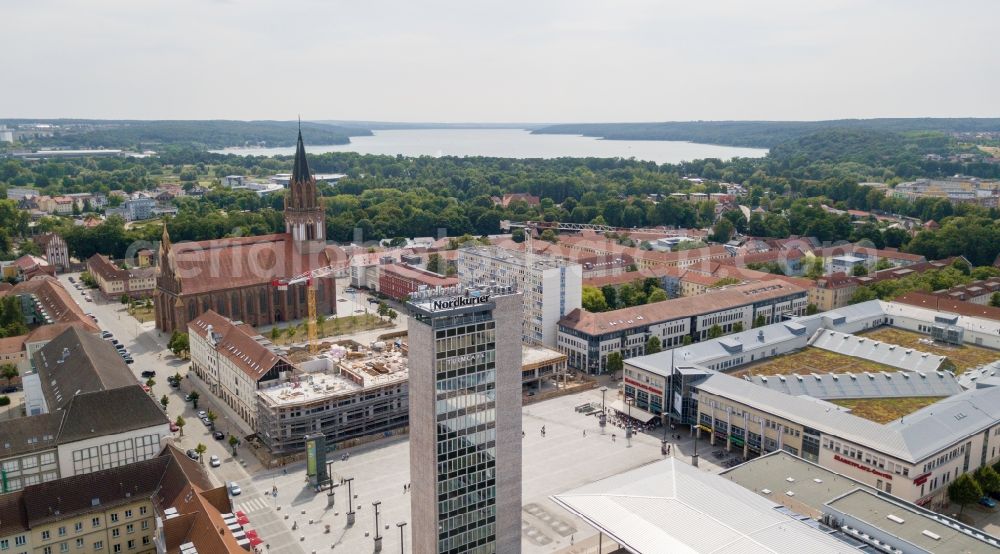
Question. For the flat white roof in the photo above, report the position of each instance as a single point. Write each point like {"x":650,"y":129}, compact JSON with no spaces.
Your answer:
{"x":669,"y":506}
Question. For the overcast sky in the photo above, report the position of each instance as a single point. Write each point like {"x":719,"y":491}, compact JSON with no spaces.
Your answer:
{"x":499,"y":61}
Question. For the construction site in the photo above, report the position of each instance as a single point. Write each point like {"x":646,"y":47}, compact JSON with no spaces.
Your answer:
{"x":363,"y":393}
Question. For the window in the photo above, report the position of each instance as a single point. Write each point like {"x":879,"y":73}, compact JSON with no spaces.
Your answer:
{"x":4,"y":544}
{"x":95,"y":522}
{"x":78,"y":526}
{"x":45,"y":535}
{"x":64,"y":547}
{"x":142,"y":510}
{"x":116,"y":548}
{"x":47,"y":550}
{"x":20,"y":540}
{"x":128,"y":513}
{"x":130,"y":528}
{"x":145,"y":539}
{"x":62,"y":531}
{"x":145,"y":524}
{"x":114,"y":517}
{"x":99,"y":545}
{"x":115,"y":532}
{"x":79,"y":543}
{"x":131,"y":544}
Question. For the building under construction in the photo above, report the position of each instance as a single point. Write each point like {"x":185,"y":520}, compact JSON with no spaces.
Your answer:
{"x":365,"y":394}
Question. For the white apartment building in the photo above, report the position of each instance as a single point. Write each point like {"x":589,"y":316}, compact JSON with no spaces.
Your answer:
{"x":552,"y":287}
{"x":233,"y":361}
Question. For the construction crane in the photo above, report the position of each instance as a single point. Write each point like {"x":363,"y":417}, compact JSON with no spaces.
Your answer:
{"x":309,"y":278}
{"x":506,"y":225}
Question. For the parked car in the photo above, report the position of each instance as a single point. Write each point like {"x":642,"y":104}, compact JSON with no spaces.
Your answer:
{"x":192,"y":454}
{"x":72,"y":280}
{"x":175,"y":384}
{"x":148,"y":373}
{"x":128,"y":360}
{"x":206,"y":421}
{"x":214,"y":461}
{"x":174,"y":428}
{"x":8,"y":390}
{"x":988,"y":502}
{"x":350,"y":290}
{"x":106,"y":335}
{"x":218,"y":435}
{"x":188,"y":398}
{"x":234,"y":489}
{"x":202,"y":413}
{"x":372,"y":300}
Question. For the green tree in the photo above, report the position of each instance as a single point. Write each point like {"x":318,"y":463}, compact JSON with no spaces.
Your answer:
{"x":9,"y":372}
{"x":687,"y":340}
{"x":882,"y":263}
{"x":212,"y":416}
{"x":150,"y":382}
{"x":723,"y":231}
{"x":656,"y":295}
{"x":862,"y":294}
{"x":738,"y":327}
{"x":593,"y":300}
{"x":275,"y":333}
{"x":233,"y":441}
{"x":810,"y":310}
{"x":995,"y":300}
{"x":383,"y":309}
{"x":714,"y":331}
{"x":291,"y":331}
{"x":200,"y":449}
{"x":549,"y":235}
{"x":653,"y":345}
{"x":964,"y":490}
{"x":392,"y":315}
{"x":988,"y":479}
{"x":815,"y":268}
{"x":124,"y":299}
{"x":615,"y":363}
{"x":321,"y":324}
{"x":194,"y":398}
{"x":164,"y":401}
{"x":177,"y":376}
{"x":859,"y":270}
{"x":180,"y":423}
{"x":759,"y":321}
{"x":179,"y":343}
{"x":434,"y":263}
{"x":610,"y":296}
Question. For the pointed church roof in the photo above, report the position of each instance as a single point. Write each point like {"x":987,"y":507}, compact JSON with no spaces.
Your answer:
{"x":300,"y":171}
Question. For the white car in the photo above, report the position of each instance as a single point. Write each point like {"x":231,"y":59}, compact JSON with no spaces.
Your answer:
{"x":214,"y":461}
{"x":234,"y":489}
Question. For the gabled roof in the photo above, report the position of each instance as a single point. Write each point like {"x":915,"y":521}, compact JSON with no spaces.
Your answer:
{"x":238,"y":342}
{"x":110,"y":412}
{"x":79,"y":362}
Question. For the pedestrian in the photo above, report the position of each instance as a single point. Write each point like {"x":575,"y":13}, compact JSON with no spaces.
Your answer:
{"x":284,"y":471}
{"x":522,"y":434}
{"x":612,"y":437}
{"x":404,"y":489}
{"x":585,"y":432}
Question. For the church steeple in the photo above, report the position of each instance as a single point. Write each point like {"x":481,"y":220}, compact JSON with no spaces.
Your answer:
{"x":304,"y":217}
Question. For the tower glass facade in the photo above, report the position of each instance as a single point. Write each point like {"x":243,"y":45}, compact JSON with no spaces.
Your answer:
{"x":466,"y":394}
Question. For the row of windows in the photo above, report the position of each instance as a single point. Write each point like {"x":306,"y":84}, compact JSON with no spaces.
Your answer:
{"x":29,"y":462}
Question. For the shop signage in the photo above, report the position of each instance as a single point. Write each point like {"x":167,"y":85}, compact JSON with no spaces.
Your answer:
{"x":862,"y":467}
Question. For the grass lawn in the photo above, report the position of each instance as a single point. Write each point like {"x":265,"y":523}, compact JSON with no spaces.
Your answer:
{"x":344,"y":325}
{"x":963,"y":357}
{"x":812,"y":360}
{"x":142,"y":315}
{"x":884,"y":410}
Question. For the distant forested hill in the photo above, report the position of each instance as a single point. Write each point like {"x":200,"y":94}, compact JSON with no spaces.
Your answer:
{"x":762,"y":134}
{"x":201,"y":134}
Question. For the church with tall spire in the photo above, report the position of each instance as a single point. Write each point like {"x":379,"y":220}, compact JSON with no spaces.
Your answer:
{"x":235,"y":277}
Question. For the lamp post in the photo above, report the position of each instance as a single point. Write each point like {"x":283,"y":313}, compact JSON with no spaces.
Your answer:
{"x":603,"y":419}
{"x":350,"y":501}
{"x":378,"y":538}
{"x":628,"y":427}
{"x":604,"y":390}
{"x":401,"y":524}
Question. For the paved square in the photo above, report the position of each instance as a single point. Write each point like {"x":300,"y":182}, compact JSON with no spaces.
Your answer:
{"x":564,"y":458}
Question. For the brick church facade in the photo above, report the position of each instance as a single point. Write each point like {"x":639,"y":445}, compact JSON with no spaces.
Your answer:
{"x":236,"y":276}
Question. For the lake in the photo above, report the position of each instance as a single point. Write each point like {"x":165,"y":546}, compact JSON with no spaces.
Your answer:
{"x":512,"y":143}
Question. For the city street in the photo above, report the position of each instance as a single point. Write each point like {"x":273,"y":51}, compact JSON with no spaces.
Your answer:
{"x":149,"y":349}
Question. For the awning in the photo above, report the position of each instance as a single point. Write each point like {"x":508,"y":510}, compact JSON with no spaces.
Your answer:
{"x":254,"y":541}
{"x":240,"y":513}
{"x":636,"y":413}
{"x":242,"y":520}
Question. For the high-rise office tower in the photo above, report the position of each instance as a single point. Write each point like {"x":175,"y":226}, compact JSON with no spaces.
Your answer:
{"x":465,"y":420}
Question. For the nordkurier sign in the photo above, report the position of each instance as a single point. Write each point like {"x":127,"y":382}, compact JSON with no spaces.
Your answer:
{"x":460,"y":301}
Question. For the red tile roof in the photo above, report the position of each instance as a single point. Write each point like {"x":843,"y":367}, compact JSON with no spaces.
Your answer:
{"x":945,"y":304}
{"x":230,"y":263}
{"x":238,"y":342}
{"x":421,"y":276}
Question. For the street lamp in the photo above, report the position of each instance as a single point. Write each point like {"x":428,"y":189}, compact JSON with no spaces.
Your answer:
{"x":401,"y":524}
{"x":604,"y":390}
{"x":350,"y":501}
{"x":376,"y":505}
